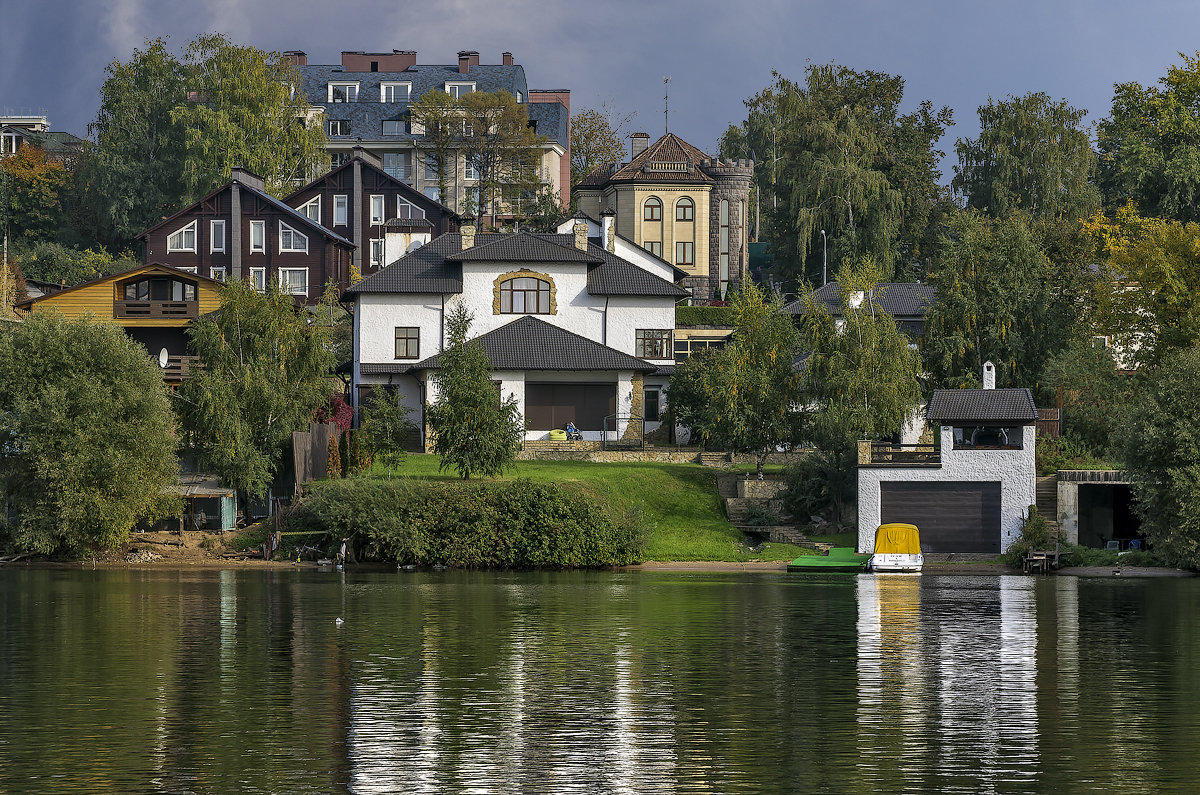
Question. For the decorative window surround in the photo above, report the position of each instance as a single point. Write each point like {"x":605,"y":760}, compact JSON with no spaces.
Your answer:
{"x":523,"y":274}
{"x":652,"y":209}
{"x":685,"y":210}
{"x":183,"y":239}
{"x":343,"y":92}
{"x":394,"y":92}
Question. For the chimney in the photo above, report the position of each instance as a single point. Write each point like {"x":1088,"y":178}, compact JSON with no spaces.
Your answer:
{"x":638,"y":143}
{"x":467,"y":59}
{"x":506,"y":58}
{"x":581,"y":230}
{"x":468,"y":235}
{"x":989,"y":375}
{"x":608,"y":234}
{"x":296,"y":57}
{"x":247,"y":178}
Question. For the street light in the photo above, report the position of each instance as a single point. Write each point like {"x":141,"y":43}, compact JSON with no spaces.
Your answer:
{"x":824,"y":259}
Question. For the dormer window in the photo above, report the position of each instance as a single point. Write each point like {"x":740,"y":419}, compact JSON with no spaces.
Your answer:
{"x":393,"y":127}
{"x":343,"y":92}
{"x":291,"y":240}
{"x":183,"y":239}
{"x":395,"y":92}
{"x":339,"y":127}
{"x":459,"y":90}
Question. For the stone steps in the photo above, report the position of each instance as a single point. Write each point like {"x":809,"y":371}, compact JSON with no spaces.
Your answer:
{"x":1047,"y":497}
{"x":713,"y":459}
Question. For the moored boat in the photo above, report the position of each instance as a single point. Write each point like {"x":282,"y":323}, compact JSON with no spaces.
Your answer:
{"x":897,"y":549}
{"x":837,"y":559}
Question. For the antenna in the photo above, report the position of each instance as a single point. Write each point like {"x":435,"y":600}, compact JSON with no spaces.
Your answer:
{"x":666,"y":104}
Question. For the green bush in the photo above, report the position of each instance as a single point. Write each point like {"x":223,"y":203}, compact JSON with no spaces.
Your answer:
{"x":761,"y":516}
{"x":820,"y":484}
{"x":1035,"y":534}
{"x":1067,"y":452}
{"x":704,"y":316}
{"x":476,"y":525}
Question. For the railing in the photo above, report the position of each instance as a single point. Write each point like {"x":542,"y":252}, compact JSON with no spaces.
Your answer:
{"x":623,"y":432}
{"x":180,"y":368}
{"x":901,"y":455}
{"x":156,"y":309}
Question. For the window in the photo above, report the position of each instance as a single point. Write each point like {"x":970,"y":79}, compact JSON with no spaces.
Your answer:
{"x":394,"y":92}
{"x":520,"y":97}
{"x":339,"y":127}
{"x":407,"y":210}
{"x":376,"y":210}
{"x":159,"y":288}
{"x":525,"y":295}
{"x":396,"y":164}
{"x":393,"y":127}
{"x":338,"y":159}
{"x":312,"y":209}
{"x":258,"y":278}
{"x":189,"y":269}
{"x":217,"y":272}
{"x":216,"y":236}
{"x":343,"y":92}
{"x":459,"y":90}
{"x":650,"y":405}
{"x":258,"y":236}
{"x":408,"y":342}
{"x":183,"y":239}
{"x":377,"y":253}
{"x":471,"y":171}
{"x":689,"y":346}
{"x":291,"y":240}
{"x":652,"y":210}
{"x":685,"y":210}
{"x":653,"y":343}
{"x":293,"y":281}
{"x":684,"y":254}
{"x":8,"y":144}
{"x":723,"y":263}
{"x":431,"y":192}
{"x":416,"y":127}
{"x":339,"y":210}
{"x":431,"y":167}
{"x":987,"y":438}
{"x":654,"y":247}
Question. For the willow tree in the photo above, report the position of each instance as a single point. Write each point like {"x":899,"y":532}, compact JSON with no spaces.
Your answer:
{"x":1032,"y":154}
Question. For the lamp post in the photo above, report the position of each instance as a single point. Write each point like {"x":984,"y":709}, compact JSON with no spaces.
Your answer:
{"x":824,"y":259}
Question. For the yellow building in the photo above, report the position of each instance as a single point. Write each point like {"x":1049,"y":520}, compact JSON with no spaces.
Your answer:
{"x":680,"y":204}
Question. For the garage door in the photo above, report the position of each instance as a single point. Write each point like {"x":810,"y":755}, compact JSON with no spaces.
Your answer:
{"x":550,"y":406}
{"x":952,"y":517}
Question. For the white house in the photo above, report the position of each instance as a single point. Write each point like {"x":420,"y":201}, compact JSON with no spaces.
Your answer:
{"x":575,"y":331}
{"x":969,"y":492}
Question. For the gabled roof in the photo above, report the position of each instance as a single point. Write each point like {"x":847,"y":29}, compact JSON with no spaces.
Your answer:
{"x":114,"y":277}
{"x":295,"y":215}
{"x":532,"y":344}
{"x":898,"y":299}
{"x":982,"y":405}
{"x":670,"y":159}
{"x":524,"y":247}
{"x":424,"y":201}
{"x":617,"y":276}
{"x":424,"y":270}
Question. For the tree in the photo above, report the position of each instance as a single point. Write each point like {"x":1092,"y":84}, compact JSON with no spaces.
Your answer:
{"x":1150,"y":144}
{"x":1000,"y":299}
{"x":596,"y":139}
{"x":386,"y":428}
{"x":504,"y":150}
{"x":262,"y":375}
{"x":745,"y":397}
{"x":1148,"y":296}
{"x":1032,"y":154}
{"x":87,"y":445}
{"x":1162,"y":456}
{"x":31,"y":193}
{"x":439,"y":116}
{"x":1096,"y":397}
{"x":475,"y":432}
{"x":52,"y":262}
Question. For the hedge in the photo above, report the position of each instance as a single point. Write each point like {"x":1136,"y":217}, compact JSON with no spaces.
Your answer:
{"x":515,"y":524}
{"x":704,"y":316}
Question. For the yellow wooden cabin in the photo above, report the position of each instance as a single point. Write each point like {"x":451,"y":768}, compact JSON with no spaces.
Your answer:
{"x":153,"y":303}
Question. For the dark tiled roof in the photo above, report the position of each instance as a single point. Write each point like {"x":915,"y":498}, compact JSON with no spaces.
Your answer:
{"x":406,"y":223}
{"x":524,"y":247}
{"x":533,"y":344}
{"x":422,"y":271}
{"x":982,"y":405}
{"x":616,"y":276}
{"x":899,"y":299}
{"x":666,"y":150}
{"x":388,"y":368}
{"x":411,"y":194}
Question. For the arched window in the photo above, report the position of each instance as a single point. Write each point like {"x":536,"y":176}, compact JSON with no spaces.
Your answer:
{"x":525,"y":295}
{"x":652,"y":210}
{"x":685,"y":210}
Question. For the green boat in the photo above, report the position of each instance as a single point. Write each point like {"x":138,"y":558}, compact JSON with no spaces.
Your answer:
{"x":837,"y":559}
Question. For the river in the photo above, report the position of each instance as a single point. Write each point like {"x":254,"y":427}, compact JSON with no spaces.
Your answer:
{"x":130,"y":681}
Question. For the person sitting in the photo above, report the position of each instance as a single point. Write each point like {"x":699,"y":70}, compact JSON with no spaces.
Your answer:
{"x":573,"y":434}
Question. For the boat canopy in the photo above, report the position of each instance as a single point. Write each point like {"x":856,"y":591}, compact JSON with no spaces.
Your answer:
{"x":897,"y":539}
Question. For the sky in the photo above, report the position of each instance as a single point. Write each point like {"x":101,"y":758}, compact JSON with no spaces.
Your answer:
{"x":952,"y":52}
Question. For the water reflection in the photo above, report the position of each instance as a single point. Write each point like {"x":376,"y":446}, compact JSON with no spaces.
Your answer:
{"x":595,"y":682}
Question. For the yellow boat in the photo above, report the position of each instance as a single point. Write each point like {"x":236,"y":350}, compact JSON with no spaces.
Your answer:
{"x":897,"y":549}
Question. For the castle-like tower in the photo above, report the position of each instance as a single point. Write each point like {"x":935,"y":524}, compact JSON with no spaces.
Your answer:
{"x":729,"y":259}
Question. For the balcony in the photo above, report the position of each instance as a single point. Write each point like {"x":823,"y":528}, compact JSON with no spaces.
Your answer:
{"x":898,"y":455}
{"x":156,"y":310}
{"x":180,"y":368}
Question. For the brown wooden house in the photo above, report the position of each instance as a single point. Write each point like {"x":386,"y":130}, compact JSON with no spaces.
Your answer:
{"x":153,"y":303}
{"x":240,"y":231}
{"x":383,"y":216}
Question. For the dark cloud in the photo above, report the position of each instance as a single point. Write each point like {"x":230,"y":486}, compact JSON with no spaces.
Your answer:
{"x":53,"y":52}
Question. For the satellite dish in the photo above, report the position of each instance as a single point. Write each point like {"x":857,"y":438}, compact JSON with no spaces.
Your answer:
{"x":162,"y":358}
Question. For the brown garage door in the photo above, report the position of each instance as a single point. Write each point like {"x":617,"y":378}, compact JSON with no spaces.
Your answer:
{"x":550,"y":406}
{"x":952,"y":517}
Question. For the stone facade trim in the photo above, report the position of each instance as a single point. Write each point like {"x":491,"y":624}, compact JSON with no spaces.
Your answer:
{"x":520,"y":274}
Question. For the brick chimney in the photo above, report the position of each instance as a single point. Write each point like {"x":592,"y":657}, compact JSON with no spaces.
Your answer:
{"x":581,"y":230}
{"x":296,"y":57}
{"x":467,"y":59}
{"x":468,"y":235}
{"x":506,"y":58}
{"x":638,"y":143}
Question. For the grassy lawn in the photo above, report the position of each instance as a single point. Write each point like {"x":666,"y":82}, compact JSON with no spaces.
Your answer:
{"x":678,"y":502}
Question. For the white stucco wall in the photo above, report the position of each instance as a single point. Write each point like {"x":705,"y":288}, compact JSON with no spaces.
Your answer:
{"x":1013,"y":469}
